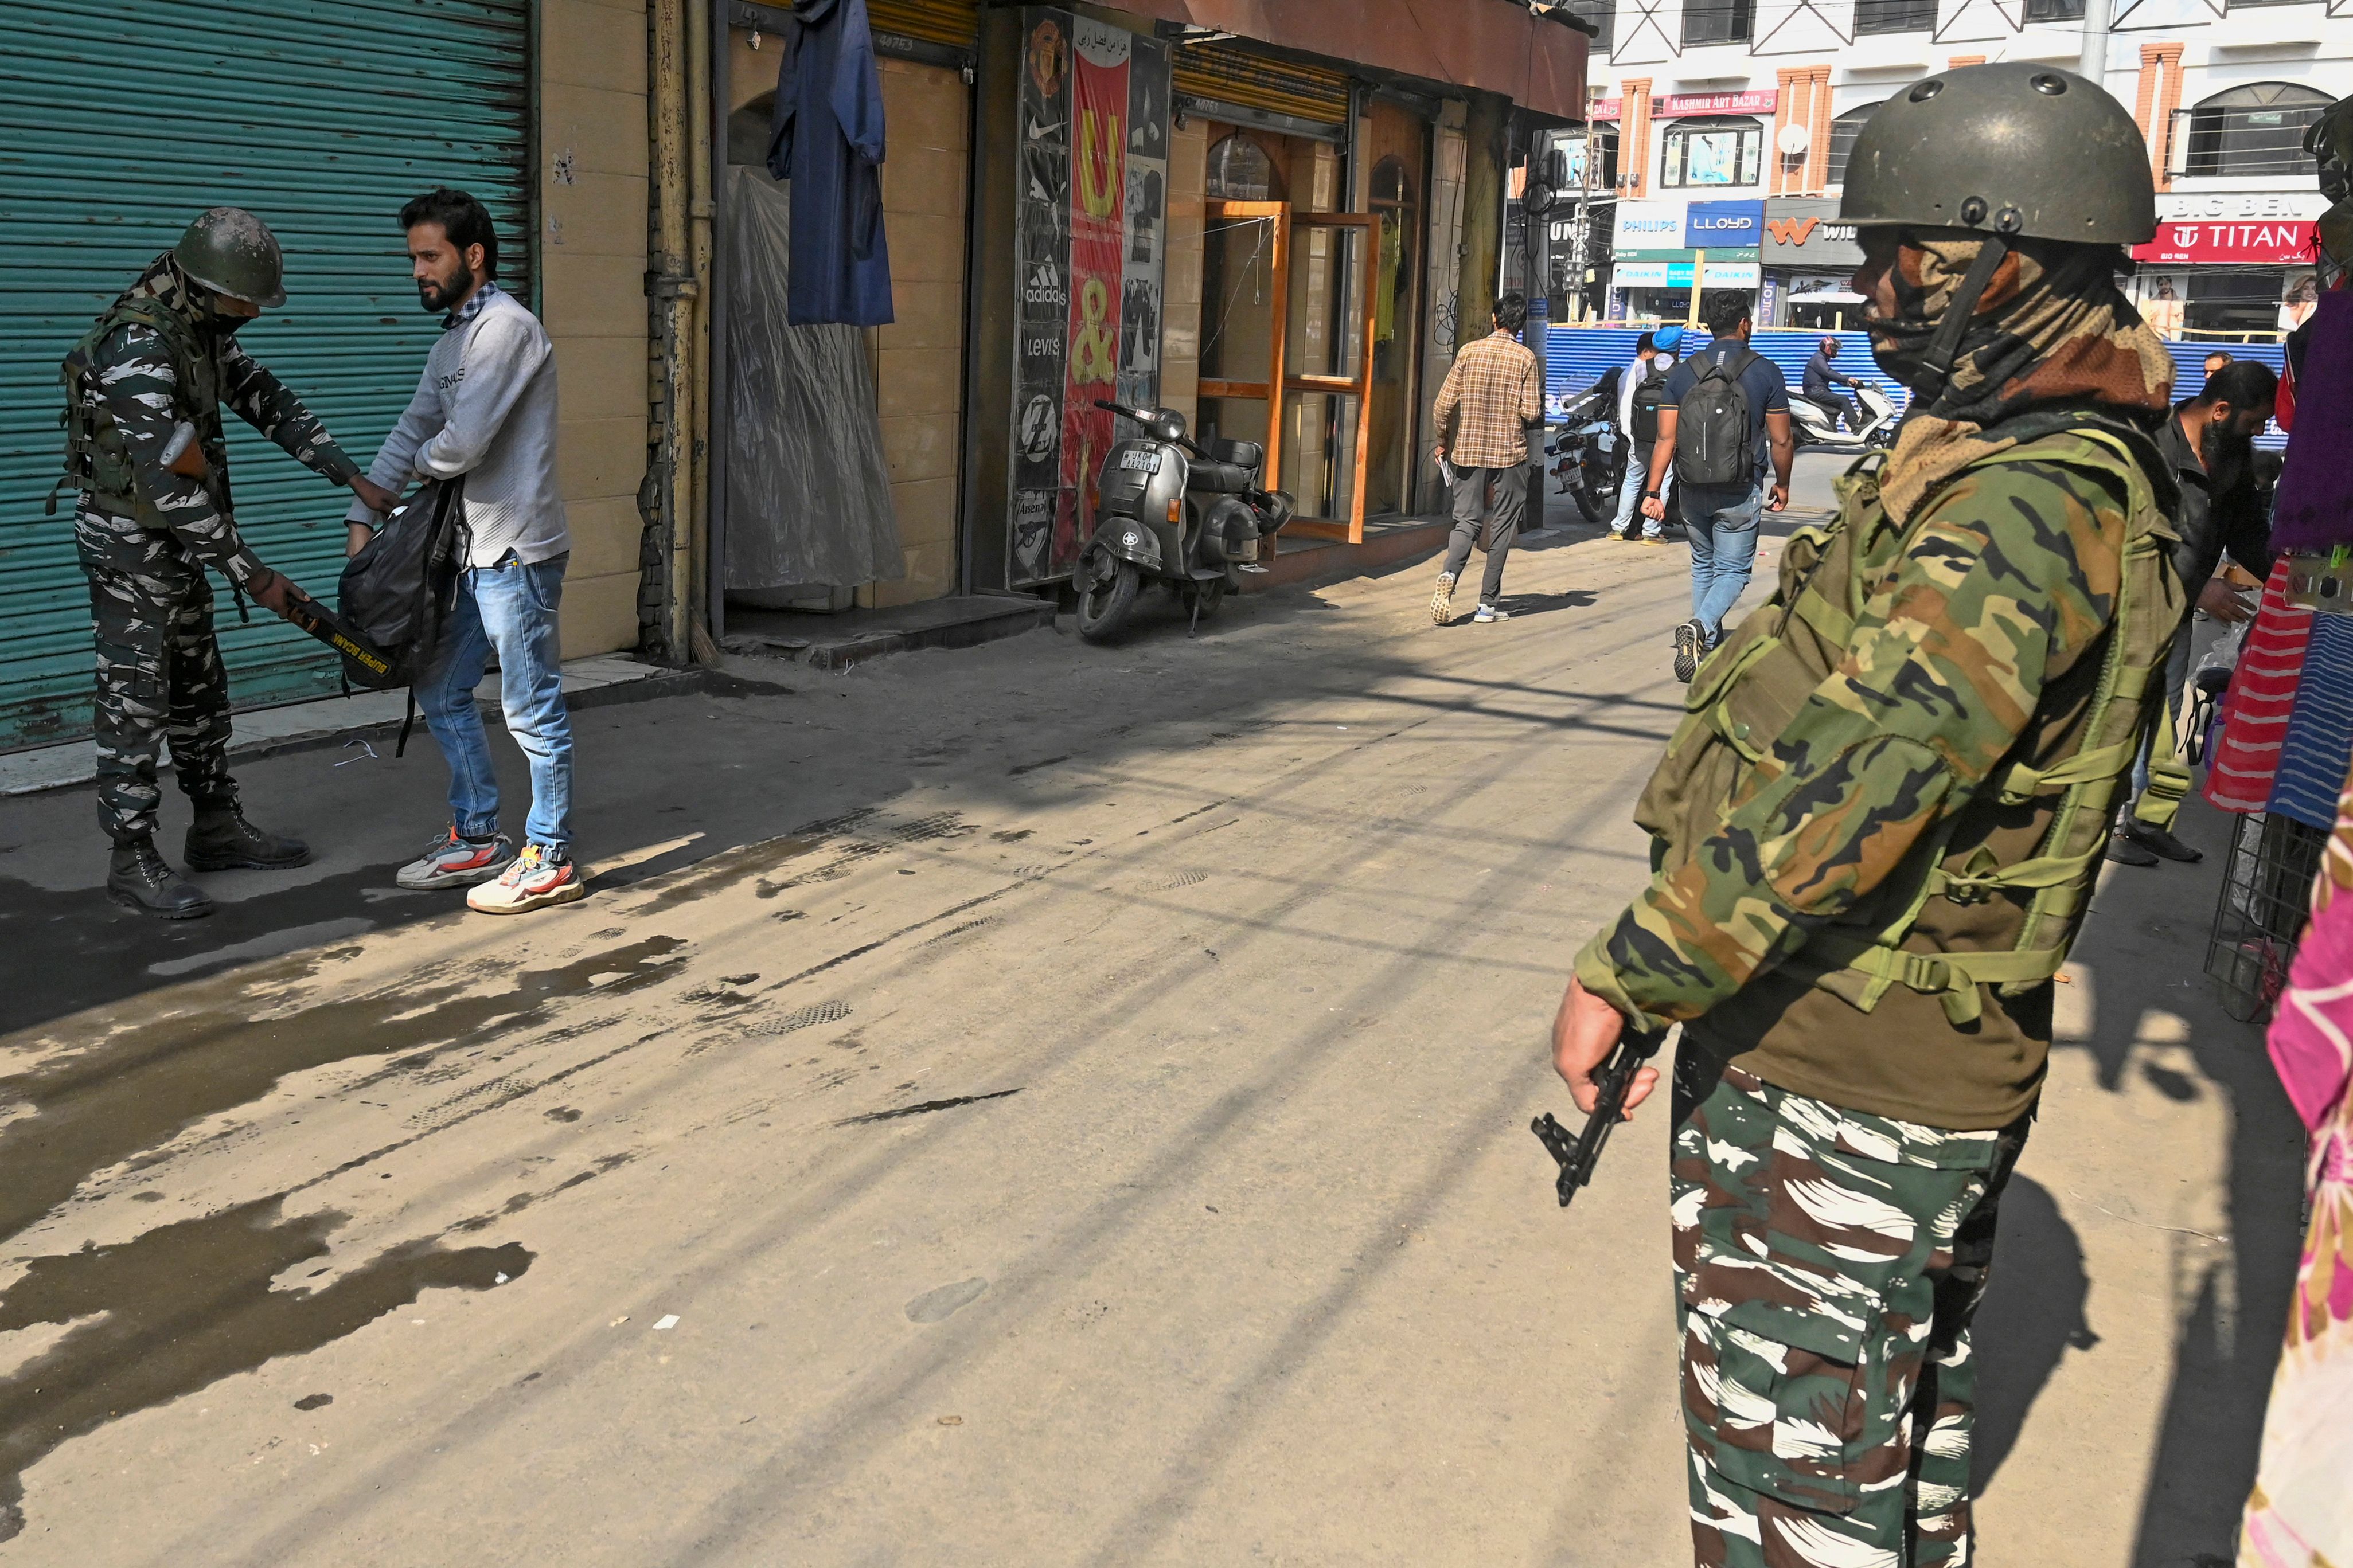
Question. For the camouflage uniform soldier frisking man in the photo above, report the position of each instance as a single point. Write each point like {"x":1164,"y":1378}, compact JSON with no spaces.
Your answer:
{"x":1877,"y":830}
{"x":144,"y":392}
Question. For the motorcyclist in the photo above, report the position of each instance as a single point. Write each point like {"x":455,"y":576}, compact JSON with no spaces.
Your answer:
{"x":1823,"y":381}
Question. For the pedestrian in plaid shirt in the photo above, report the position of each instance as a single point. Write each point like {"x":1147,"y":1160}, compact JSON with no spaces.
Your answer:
{"x":1490,"y":399}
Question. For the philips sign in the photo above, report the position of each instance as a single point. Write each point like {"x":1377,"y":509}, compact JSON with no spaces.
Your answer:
{"x":1724,"y":226}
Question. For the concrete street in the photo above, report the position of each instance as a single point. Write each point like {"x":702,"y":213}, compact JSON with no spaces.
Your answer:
{"x":1032,"y":1104}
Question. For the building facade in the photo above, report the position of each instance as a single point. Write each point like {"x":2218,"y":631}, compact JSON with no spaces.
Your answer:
{"x":1757,"y":103}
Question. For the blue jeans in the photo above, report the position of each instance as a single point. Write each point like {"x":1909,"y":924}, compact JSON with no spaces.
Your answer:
{"x":1721,"y":523}
{"x":1630,"y":493}
{"x":511,"y":607}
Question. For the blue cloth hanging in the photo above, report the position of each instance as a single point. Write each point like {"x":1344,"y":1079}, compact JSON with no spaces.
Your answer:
{"x":825,"y":135}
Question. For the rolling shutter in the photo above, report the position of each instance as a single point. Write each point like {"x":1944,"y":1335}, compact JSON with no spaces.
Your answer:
{"x":955,"y":23}
{"x":120,"y":124}
{"x":1223,"y":73}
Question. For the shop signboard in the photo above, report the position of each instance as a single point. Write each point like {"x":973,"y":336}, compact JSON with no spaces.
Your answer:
{"x":1723,"y":226}
{"x":1678,"y":274}
{"x":1643,"y":227}
{"x":2259,"y":243}
{"x":1686,"y":105}
{"x":1806,"y":233}
{"x":1090,"y":221}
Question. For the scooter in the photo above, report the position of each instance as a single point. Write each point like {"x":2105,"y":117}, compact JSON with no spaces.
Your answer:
{"x":1590,"y":450}
{"x":1811,"y":424}
{"x":1183,"y":513}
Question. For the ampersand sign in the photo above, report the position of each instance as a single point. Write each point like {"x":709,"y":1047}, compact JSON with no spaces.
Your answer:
{"x":1095,"y":347}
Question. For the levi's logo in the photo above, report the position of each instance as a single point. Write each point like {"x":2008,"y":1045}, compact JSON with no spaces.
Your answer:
{"x":1791,"y":230}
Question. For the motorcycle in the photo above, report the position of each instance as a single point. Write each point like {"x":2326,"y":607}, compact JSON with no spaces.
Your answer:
{"x":1812,"y":425}
{"x":1589,"y":451}
{"x":1181,"y":512}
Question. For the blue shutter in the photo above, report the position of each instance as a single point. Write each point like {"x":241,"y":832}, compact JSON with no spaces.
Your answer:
{"x":118,"y":124}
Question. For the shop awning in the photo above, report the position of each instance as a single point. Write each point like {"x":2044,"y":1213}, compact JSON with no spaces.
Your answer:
{"x":1495,"y":45}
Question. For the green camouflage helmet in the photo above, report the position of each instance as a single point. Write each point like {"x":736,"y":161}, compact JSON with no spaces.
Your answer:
{"x":2019,"y":151}
{"x":232,"y":252}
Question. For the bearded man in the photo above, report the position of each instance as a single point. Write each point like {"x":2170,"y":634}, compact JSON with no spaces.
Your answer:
{"x":1877,"y":829}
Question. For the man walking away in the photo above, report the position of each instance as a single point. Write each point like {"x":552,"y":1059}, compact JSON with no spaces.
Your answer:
{"x":1822,"y":382}
{"x":1876,"y":839}
{"x":485,"y":412}
{"x":2211,"y":443}
{"x":1727,"y":410}
{"x":1489,"y":401}
{"x":1641,"y":393}
{"x":144,"y":392}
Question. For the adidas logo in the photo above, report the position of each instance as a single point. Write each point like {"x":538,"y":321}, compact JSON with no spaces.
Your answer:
{"x":1044,"y":288}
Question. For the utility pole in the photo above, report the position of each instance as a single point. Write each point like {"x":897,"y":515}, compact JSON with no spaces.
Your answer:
{"x":2098,"y":17}
{"x":1579,"y":250}
{"x":1537,"y":193}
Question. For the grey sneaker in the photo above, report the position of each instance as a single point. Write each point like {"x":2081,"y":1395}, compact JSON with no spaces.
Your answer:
{"x":1442,"y":604}
{"x":1488,"y":613}
{"x":1691,"y":646}
{"x":454,"y":861}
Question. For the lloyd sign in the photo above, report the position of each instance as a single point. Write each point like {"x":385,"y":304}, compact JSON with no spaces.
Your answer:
{"x":2281,"y":243}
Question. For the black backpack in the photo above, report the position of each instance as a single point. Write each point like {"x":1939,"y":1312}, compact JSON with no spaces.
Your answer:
{"x":1713,"y":443}
{"x":1643,"y":413}
{"x":397,"y":591}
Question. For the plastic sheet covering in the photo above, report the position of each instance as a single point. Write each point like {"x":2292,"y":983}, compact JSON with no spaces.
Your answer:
{"x":809,"y":493}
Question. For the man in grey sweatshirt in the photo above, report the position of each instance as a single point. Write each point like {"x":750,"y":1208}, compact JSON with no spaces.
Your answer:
{"x":484,"y":413}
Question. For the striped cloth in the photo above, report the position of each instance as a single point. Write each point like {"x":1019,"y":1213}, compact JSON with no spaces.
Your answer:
{"x":2320,"y":732}
{"x":2244,"y":764}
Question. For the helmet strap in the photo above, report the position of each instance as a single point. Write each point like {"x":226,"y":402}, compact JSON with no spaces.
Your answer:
{"x":1937,"y":364}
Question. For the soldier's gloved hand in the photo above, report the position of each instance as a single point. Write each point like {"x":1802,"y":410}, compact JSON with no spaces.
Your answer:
{"x":275,"y":592}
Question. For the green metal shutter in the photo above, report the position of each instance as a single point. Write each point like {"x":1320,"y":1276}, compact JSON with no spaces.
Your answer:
{"x":118,"y":124}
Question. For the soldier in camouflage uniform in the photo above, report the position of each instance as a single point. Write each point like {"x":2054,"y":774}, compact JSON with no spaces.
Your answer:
{"x":1877,"y":829}
{"x":144,"y":391}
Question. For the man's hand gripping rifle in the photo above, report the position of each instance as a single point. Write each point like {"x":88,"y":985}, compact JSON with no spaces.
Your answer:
{"x":1578,"y":1155}
{"x":1606,"y":1066}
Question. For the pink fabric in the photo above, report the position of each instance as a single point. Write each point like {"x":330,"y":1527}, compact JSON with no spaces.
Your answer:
{"x":2255,"y":712}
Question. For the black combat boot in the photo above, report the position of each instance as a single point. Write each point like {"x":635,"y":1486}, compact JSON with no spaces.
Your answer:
{"x":223,"y":840}
{"x":138,"y":878}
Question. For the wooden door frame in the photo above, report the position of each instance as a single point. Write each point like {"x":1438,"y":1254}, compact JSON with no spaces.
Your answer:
{"x":1360,"y":385}
{"x":1279,"y":264}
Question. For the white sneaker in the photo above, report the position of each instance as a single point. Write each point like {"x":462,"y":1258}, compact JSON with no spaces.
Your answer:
{"x":456,"y":862}
{"x":534,"y":879}
{"x":1488,"y":613}
{"x":1442,"y":604}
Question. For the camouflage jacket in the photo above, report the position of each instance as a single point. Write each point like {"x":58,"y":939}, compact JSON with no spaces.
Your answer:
{"x":132,"y":383}
{"x":1981,"y":637}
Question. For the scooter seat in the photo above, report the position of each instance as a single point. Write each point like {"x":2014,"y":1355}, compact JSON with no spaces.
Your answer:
{"x":1220,"y":478}
{"x":1248,"y":454}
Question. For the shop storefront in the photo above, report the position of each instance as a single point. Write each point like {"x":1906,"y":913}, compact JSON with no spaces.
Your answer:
{"x":1668,"y":255}
{"x":1810,"y":260}
{"x":2231,"y":266}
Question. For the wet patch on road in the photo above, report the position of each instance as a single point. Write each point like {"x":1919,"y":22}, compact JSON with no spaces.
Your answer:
{"x":186,"y":1305}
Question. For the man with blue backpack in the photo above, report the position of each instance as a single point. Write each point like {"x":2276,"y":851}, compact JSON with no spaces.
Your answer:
{"x":1725,"y":412}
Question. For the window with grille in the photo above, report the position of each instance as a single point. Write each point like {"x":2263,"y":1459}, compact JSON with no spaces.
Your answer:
{"x":1718,"y":22}
{"x":2054,"y":10}
{"x":1843,"y":130}
{"x":2256,"y":130}
{"x":1603,"y":15}
{"x":1713,"y":153}
{"x":1898,"y":16}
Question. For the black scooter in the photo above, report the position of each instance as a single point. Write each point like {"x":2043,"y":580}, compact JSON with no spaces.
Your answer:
{"x":1176,"y":511}
{"x":1590,"y":450}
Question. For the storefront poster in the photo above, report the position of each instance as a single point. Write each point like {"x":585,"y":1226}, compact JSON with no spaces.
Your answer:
{"x":1092,"y":221}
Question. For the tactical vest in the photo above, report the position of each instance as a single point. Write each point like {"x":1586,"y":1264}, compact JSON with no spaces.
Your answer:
{"x":2055,"y":790}
{"x":97,"y":461}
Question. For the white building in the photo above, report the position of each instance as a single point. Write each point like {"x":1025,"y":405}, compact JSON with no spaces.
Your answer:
{"x":1751,"y":105}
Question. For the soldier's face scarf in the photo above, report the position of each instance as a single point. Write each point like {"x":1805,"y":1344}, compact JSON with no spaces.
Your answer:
{"x":2051,"y":327}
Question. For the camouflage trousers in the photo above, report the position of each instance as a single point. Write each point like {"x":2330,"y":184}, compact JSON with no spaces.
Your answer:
{"x":158,"y":671}
{"x":1827,"y":1263}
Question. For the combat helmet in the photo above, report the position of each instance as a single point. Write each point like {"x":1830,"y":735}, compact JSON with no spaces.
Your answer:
{"x":2013,"y":151}
{"x":232,"y":252}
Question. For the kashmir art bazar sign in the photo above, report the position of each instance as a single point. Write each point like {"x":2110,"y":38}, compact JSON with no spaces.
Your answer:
{"x":1090,"y":219}
{"x":1685,"y":105}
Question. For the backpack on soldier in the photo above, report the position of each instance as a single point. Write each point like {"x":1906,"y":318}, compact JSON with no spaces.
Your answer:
{"x":1642,"y":410}
{"x":397,"y":592}
{"x":1713,"y":445}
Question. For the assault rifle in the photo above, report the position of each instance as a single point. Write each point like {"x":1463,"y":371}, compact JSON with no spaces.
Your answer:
{"x":1578,"y":1155}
